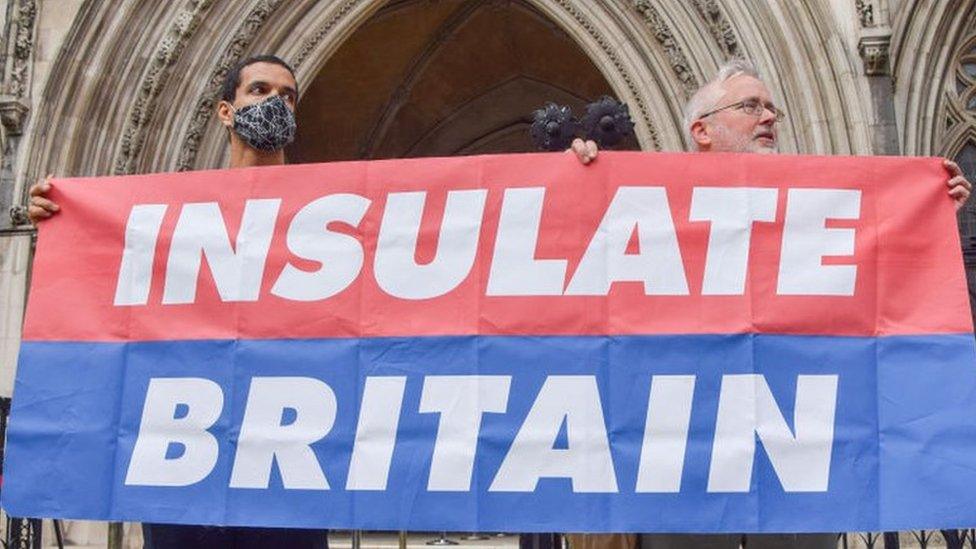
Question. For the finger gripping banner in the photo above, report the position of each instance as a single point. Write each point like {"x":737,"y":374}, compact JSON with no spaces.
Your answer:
{"x":653,"y":343}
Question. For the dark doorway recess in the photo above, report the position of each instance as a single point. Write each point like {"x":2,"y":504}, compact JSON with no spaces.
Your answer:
{"x":442,"y":78}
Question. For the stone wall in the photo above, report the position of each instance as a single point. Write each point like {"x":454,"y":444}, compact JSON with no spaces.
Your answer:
{"x":14,"y":266}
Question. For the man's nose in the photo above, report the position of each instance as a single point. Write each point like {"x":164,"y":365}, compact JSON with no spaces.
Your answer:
{"x":768,"y":115}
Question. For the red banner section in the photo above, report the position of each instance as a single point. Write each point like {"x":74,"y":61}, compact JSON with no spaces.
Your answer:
{"x":532,"y":244}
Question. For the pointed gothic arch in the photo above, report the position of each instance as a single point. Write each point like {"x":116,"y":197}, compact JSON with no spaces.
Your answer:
{"x":133,"y":88}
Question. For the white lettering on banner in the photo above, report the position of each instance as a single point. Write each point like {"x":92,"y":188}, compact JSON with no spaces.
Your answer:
{"x":198,"y":403}
{"x":379,"y":415}
{"x":341,"y":255}
{"x":574,"y":400}
{"x":285,"y":416}
{"x":395,"y":267}
{"x":514,"y":269}
{"x":665,"y":434}
{"x":460,"y":401}
{"x":658,"y":264}
{"x":746,"y":408}
{"x":265,"y":439}
{"x":806,"y":240}
{"x":731,"y":211}
{"x":201,"y":232}
{"x":135,"y":273}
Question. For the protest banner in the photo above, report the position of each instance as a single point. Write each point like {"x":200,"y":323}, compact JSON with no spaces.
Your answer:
{"x":657,"y":342}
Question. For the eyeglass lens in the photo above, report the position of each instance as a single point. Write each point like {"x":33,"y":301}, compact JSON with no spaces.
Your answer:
{"x":756,"y":108}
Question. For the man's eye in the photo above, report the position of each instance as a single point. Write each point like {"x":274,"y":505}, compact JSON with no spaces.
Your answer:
{"x":752,"y":107}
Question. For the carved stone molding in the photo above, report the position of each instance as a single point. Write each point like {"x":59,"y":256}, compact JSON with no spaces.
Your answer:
{"x":719,"y":26}
{"x":207,"y":103}
{"x":18,"y":215}
{"x":19,"y":48}
{"x":13,"y":114}
{"x":865,"y":13}
{"x":874,"y":51}
{"x":312,"y":42}
{"x":154,"y":79}
{"x":665,"y":37}
{"x":15,"y":91}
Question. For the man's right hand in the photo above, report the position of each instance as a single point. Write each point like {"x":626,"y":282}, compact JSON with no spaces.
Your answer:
{"x":40,"y":207}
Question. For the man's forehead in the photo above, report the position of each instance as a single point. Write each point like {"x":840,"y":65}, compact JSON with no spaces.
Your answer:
{"x":744,"y":86}
{"x":267,"y":72}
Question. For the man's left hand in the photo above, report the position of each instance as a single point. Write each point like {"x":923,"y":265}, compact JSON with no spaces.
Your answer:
{"x":585,"y":151}
{"x":959,"y":187}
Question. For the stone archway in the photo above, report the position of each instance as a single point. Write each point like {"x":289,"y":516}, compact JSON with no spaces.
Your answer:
{"x":143,"y":98}
{"x":453,"y":77}
{"x":928,"y":40}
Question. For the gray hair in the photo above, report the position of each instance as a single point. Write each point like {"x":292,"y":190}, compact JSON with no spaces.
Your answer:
{"x":707,"y":96}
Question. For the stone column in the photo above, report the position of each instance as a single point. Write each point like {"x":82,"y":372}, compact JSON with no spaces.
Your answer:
{"x":15,"y":256}
{"x":873,"y":46}
{"x":16,"y":59}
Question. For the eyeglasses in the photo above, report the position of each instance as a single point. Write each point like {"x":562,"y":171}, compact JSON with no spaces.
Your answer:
{"x":752,"y":106}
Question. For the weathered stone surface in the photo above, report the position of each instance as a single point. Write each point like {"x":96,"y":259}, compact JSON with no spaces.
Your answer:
{"x":15,"y":253}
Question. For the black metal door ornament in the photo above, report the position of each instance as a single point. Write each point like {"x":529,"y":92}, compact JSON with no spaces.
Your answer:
{"x":607,"y":122}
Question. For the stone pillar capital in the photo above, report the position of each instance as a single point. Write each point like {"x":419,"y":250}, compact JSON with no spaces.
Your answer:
{"x":13,"y":114}
{"x":873,"y":47}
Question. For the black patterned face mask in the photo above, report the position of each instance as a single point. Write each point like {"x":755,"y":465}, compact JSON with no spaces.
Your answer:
{"x":267,"y":126}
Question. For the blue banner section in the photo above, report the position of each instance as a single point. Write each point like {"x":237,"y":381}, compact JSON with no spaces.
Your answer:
{"x":900,"y":452}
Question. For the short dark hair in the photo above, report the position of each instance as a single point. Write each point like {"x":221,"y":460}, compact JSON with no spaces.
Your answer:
{"x":233,"y":79}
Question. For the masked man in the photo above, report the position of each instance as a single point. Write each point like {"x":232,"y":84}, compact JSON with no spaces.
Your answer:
{"x":257,"y":107}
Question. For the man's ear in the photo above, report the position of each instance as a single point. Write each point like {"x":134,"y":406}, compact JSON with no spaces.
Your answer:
{"x":225,"y":113}
{"x":699,"y":134}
